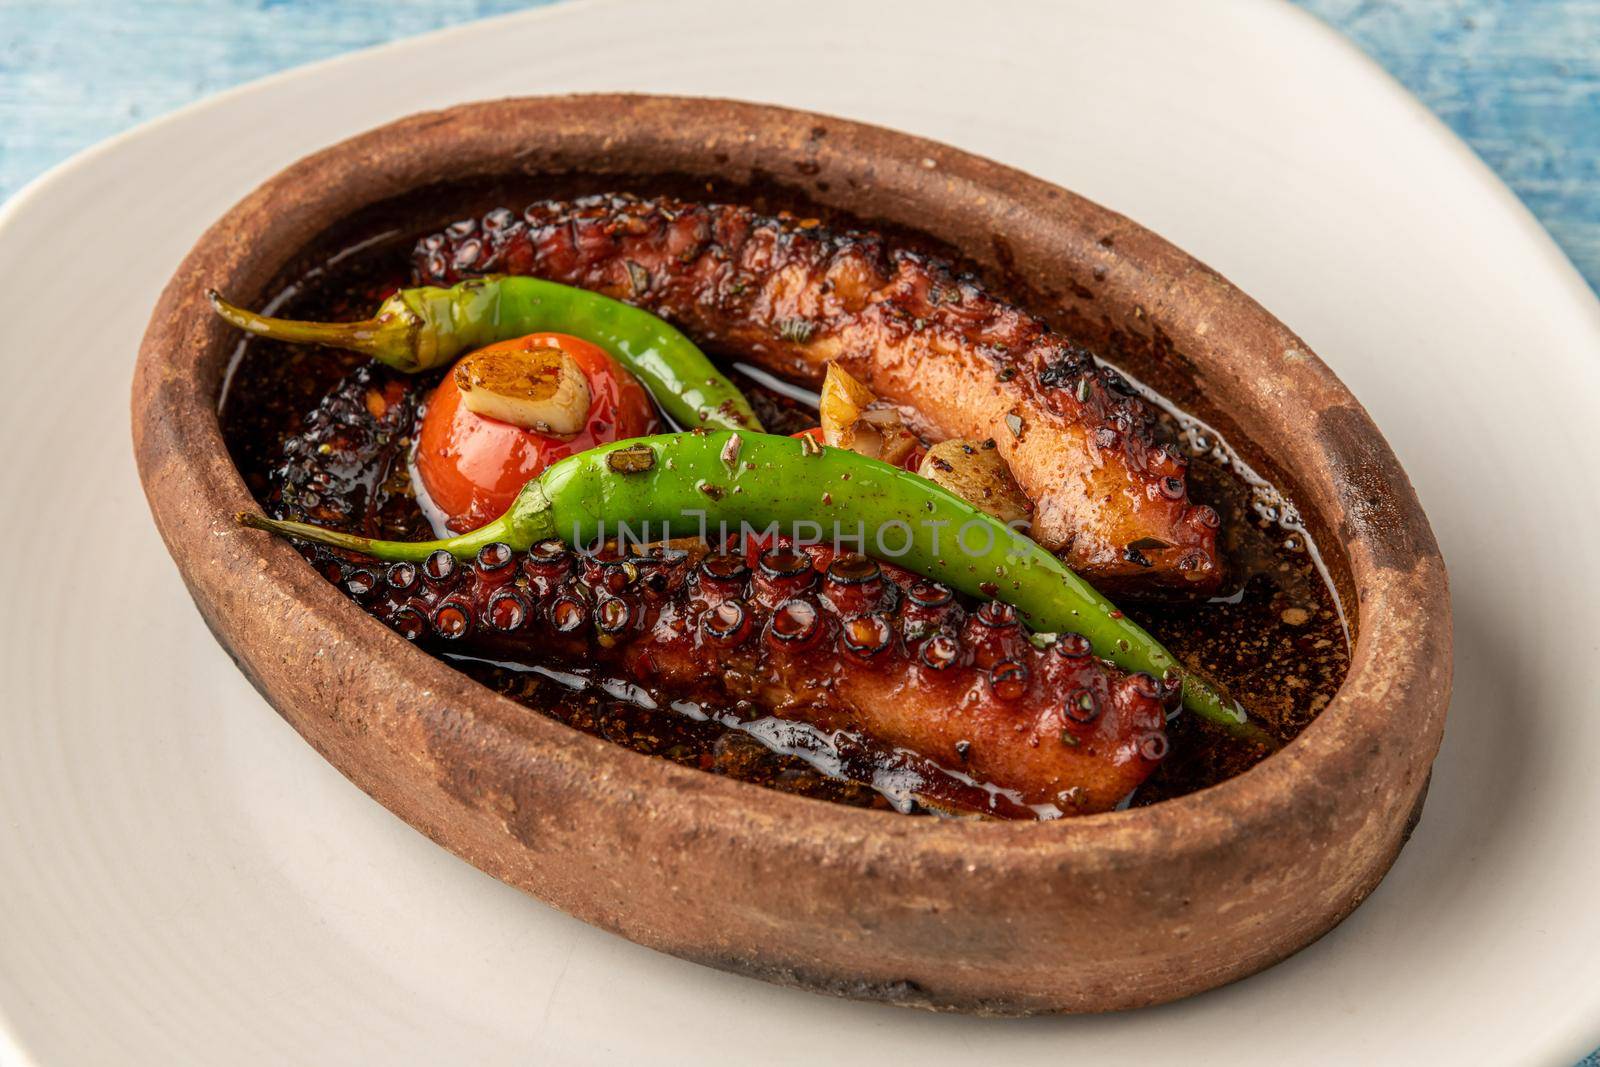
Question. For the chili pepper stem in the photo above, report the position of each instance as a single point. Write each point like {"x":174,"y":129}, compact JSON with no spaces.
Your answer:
{"x":386,"y":338}
{"x":390,"y":551}
{"x":527,"y":522}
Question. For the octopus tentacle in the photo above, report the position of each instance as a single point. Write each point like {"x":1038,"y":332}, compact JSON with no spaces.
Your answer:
{"x":792,"y":295}
{"x":836,"y":640}
{"x":341,"y":468}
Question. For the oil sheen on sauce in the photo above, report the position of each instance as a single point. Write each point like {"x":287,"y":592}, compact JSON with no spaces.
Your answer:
{"x":1275,"y":637}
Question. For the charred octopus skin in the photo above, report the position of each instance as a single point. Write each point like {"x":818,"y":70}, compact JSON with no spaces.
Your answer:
{"x":842,"y":642}
{"x":793,"y":295}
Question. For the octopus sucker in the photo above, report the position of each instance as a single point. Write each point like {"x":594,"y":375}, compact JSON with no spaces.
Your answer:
{"x":792,"y":295}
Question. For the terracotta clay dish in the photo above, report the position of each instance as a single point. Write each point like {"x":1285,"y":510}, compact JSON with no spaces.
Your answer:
{"x":803,"y":548}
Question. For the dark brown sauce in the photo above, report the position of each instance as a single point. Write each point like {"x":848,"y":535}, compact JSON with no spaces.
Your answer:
{"x":1276,"y":638}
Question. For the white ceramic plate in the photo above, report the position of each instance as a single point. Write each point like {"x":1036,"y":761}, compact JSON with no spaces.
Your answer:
{"x":183,"y":880}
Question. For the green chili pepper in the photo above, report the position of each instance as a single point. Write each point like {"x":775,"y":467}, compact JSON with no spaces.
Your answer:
{"x":695,"y":484}
{"x":421,"y":329}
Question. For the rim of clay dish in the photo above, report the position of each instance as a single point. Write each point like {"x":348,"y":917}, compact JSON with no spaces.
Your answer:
{"x":1393,"y":696}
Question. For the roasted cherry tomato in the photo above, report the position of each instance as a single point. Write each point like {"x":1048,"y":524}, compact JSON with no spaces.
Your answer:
{"x":471,"y":465}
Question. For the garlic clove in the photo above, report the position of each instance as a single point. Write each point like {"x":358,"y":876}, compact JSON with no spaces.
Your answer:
{"x":541,"y":389}
{"x":976,"y":473}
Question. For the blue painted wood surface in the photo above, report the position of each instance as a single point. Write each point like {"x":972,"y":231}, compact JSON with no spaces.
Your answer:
{"x":1519,"y":80}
